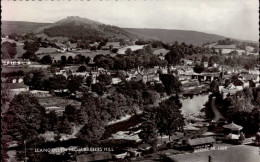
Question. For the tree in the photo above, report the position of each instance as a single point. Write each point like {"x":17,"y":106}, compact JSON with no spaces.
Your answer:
{"x":37,"y":79}
{"x":105,"y":78}
{"x":58,"y":82}
{"x":24,"y":117}
{"x":214,"y":86}
{"x":114,"y":50}
{"x":169,"y":116}
{"x":128,"y":51}
{"x":70,"y":60}
{"x":92,"y":131}
{"x":74,"y":83}
{"x":173,"y":57}
{"x":63,"y":60}
{"x":52,"y":120}
{"x":8,"y":50}
{"x":198,"y":68}
{"x":30,"y":55}
{"x":91,"y":112}
{"x":89,"y":80}
{"x":32,"y":46}
{"x":64,"y":126}
{"x":149,"y":127}
{"x":70,"y":113}
{"x":46,"y":59}
{"x":99,"y":88}
{"x":82,"y":68}
{"x":170,"y":83}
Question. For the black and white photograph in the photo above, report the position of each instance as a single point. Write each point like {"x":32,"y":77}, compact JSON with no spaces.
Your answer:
{"x":130,"y":81}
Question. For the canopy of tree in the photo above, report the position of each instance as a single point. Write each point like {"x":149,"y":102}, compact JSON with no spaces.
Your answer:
{"x":8,"y":50}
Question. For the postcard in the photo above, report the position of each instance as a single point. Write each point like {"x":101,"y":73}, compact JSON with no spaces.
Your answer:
{"x":130,"y":80}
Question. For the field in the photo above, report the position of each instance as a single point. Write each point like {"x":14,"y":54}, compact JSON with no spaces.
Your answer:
{"x":44,"y":36}
{"x":133,"y":48}
{"x":57,"y":56}
{"x":57,"y":101}
{"x":20,"y":50}
{"x":46,"y":50}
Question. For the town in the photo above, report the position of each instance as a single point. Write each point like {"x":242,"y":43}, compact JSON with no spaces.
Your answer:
{"x":79,"y":90}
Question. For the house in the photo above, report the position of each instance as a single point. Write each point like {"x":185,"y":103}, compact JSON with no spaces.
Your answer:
{"x":15,"y":62}
{"x":232,"y":130}
{"x":247,"y":77}
{"x":187,"y":62}
{"x":231,"y":89}
{"x":116,"y":80}
{"x":95,"y":44}
{"x":206,"y":64}
{"x":15,"y":88}
{"x":62,"y":72}
{"x":201,"y":142}
{"x":17,"y":80}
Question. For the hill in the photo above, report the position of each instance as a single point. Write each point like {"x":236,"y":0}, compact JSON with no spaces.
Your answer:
{"x":82,"y":28}
{"x":20,"y":27}
{"x":165,"y":35}
{"x":77,"y":27}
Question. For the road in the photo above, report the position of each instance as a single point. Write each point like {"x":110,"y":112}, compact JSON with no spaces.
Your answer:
{"x":217,"y":114}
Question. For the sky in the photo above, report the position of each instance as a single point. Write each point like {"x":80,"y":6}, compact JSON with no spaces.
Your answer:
{"x":231,"y":18}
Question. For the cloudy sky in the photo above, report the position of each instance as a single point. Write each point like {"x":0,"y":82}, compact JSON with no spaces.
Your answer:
{"x":230,"y":18}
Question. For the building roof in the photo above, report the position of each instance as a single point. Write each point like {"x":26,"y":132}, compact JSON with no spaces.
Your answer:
{"x":200,"y":141}
{"x":233,"y":126}
{"x":14,"y":85}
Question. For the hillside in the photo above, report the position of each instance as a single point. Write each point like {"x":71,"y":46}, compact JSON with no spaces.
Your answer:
{"x":77,"y":27}
{"x":20,"y":27}
{"x":82,"y":28}
{"x":189,"y":37}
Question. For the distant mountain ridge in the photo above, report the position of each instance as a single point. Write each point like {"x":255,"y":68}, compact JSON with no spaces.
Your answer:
{"x":20,"y":27}
{"x":170,"y":35}
{"x":74,"y":26}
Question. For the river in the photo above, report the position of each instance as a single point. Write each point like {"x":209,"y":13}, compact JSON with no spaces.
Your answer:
{"x":194,"y":103}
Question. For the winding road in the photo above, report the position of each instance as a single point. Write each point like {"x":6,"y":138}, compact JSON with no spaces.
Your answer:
{"x":217,"y":114}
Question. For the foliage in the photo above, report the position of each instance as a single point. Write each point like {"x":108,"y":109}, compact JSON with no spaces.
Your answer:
{"x":105,"y":78}
{"x":214,"y":86}
{"x":74,"y":83}
{"x":23,"y":119}
{"x":30,"y":55}
{"x":37,"y":79}
{"x":82,"y":68}
{"x":46,"y":60}
{"x":169,"y":116}
{"x":170,"y":83}
{"x":8,"y":50}
{"x":58,"y":82}
{"x":198,"y":68}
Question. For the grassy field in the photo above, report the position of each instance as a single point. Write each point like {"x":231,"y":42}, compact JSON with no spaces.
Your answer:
{"x":44,"y":36}
{"x":133,"y":48}
{"x":58,"y":101}
{"x":46,"y":50}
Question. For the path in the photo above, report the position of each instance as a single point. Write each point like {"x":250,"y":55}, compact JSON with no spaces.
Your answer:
{"x":217,"y":114}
